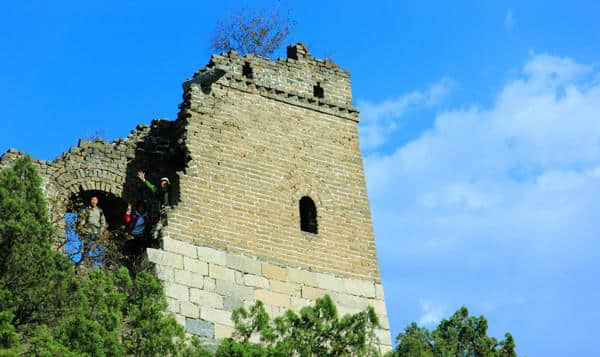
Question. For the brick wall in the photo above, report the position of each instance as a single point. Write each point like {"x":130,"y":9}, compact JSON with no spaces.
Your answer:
{"x":253,"y":137}
{"x":260,"y":144}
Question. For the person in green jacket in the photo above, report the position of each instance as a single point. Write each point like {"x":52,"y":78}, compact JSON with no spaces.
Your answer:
{"x":162,"y":195}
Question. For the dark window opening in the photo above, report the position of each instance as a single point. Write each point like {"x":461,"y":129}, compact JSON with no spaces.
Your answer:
{"x":247,"y":70}
{"x":308,"y":215}
{"x":318,"y":91}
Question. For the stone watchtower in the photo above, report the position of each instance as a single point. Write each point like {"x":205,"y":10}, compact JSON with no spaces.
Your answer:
{"x":271,"y":200}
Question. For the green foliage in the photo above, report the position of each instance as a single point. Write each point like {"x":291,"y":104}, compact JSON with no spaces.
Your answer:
{"x":316,"y":331}
{"x":461,"y":335}
{"x":33,"y":278}
{"x":48,"y":310}
{"x":9,"y":338}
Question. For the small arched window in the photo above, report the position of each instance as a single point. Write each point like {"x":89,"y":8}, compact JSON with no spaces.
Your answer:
{"x":308,"y":215}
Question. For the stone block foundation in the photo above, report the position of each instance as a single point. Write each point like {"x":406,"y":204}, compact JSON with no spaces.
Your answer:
{"x":204,"y":285}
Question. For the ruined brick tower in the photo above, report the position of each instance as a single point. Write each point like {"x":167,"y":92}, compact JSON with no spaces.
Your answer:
{"x":271,"y":200}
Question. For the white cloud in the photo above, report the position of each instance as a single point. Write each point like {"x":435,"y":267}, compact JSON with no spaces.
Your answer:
{"x":509,"y":20}
{"x":380,"y":120}
{"x":519,"y":180}
{"x":431,"y":313}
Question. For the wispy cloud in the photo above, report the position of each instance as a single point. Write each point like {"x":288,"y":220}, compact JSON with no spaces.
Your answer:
{"x":494,"y":200}
{"x":509,"y":20}
{"x":379,"y":120}
{"x":431,"y":313}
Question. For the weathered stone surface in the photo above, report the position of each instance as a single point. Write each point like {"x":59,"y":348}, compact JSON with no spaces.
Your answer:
{"x":291,"y":289}
{"x":200,"y":328}
{"x":239,"y":277}
{"x":189,"y":278}
{"x":211,"y":255}
{"x":302,"y":276}
{"x":164,"y":273}
{"x":297,"y":303}
{"x":249,"y":302}
{"x":232,"y":302}
{"x":165,"y":258}
{"x":383,"y":349}
{"x":383,"y":321}
{"x":359,"y":287}
{"x":194,"y":265}
{"x":180,"y":319}
{"x":348,"y":300}
{"x":379,"y":292}
{"x":272,"y":298}
{"x":230,"y":288}
{"x":277,"y":311}
{"x":270,"y":271}
{"x":190,"y":310}
{"x":206,"y":298}
{"x":172,"y":305}
{"x":384,"y":336}
{"x":223,"y":331}
{"x":330,"y":282}
{"x":256,"y":281}
{"x":221,"y":272}
{"x":222,"y":317}
{"x":379,"y":306}
{"x":177,"y":291}
{"x":179,"y":247}
{"x":243,"y":263}
{"x":312,"y":293}
{"x":209,"y":284}
{"x":343,"y":310}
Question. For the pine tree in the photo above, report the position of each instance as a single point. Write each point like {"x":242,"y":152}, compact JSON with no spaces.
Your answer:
{"x":46,"y":309}
{"x":34,"y":280}
{"x":460,"y":335}
{"x":316,"y":331}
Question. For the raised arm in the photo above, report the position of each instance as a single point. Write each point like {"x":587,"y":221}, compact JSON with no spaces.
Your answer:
{"x":150,"y":186}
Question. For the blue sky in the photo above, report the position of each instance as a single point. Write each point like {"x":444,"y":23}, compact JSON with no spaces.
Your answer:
{"x":480,"y":130}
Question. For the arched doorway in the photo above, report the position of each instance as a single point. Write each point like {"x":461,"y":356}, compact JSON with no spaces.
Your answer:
{"x":104,"y":250}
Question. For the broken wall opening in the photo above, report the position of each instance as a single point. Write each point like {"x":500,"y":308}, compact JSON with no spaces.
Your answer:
{"x":104,"y":250}
{"x":160,"y":152}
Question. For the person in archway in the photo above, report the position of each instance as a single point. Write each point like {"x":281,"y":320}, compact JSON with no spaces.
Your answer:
{"x":137,"y":223}
{"x":91,"y":226}
{"x":164,"y":202}
{"x":137,"y":220}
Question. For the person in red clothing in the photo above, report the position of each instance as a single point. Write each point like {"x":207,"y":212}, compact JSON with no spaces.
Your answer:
{"x":137,"y":220}
{"x":137,"y":223}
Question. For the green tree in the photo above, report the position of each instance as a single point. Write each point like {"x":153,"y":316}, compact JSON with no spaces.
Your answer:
{"x":9,"y":338}
{"x":315,"y":331}
{"x":48,"y":310}
{"x":460,"y":335}
{"x":34,"y":280}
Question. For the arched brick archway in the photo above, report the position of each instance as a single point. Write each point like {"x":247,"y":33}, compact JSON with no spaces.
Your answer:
{"x":70,"y":192}
{"x":93,"y":183}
